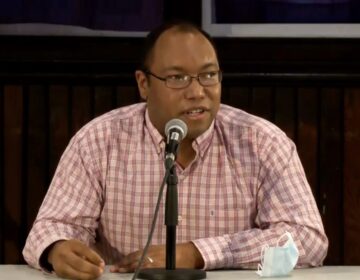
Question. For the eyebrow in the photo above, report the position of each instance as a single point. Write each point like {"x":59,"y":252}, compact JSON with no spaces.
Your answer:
{"x":176,"y":68}
{"x":181,"y":69}
{"x":208,"y":65}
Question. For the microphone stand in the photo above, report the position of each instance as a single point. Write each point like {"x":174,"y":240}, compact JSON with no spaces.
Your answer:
{"x":171,"y":221}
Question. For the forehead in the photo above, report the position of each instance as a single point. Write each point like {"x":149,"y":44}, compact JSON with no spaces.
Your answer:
{"x":184,"y":49}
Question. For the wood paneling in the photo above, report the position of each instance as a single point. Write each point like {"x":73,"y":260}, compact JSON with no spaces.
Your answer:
{"x":82,"y":110}
{"x":262,"y":102}
{"x":239,"y":97}
{"x":2,"y":187}
{"x":36,"y":143}
{"x":13,"y":171}
{"x":126,"y":95}
{"x":285,"y":110}
{"x":352,"y":176}
{"x":308,"y":134}
{"x":105,"y":99}
{"x":331,"y":170}
{"x":59,"y":123}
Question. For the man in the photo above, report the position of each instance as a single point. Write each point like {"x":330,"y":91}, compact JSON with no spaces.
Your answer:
{"x":241,"y":184}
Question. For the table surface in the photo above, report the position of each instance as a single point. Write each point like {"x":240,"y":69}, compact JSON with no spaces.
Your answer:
{"x":19,"y":272}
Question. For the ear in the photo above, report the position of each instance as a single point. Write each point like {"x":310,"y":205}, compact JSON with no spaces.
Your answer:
{"x":143,"y":84}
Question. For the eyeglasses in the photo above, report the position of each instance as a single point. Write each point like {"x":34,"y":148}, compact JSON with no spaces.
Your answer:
{"x":179,"y":81}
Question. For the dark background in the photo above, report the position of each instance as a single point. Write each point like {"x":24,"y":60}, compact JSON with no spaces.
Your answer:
{"x":134,"y":15}
{"x":51,"y":86}
{"x":287,"y":11}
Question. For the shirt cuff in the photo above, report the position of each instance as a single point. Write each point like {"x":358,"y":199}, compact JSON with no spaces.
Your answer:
{"x":42,"y":249}
{"x":215,"y":252}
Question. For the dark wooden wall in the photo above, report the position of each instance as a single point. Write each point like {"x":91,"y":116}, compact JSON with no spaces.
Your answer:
{"x":51,"y":86}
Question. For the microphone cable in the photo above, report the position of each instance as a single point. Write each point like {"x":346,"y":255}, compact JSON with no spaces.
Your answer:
{"x":167,"y":173}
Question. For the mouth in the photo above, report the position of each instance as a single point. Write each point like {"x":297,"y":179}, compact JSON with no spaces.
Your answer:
{"x":194,"y":112}
{"x":197,"y":113}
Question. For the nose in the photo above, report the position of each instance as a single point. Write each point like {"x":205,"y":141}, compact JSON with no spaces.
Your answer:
{"x":194,"y":90}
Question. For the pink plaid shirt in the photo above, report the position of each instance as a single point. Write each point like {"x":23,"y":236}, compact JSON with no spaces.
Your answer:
{"x":244,"y":189}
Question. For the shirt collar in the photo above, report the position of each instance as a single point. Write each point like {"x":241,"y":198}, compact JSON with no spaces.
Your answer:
{"x":200,"y":144}
{"x":155,"y":135}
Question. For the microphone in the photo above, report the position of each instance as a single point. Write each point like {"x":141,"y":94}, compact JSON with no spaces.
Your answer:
{"x":175,"y":131}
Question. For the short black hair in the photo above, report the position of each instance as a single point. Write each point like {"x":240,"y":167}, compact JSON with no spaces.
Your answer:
{"x":153,"y":36}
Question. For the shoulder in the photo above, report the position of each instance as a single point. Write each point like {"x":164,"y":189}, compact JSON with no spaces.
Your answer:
{"x":247,"y":136}
{"x":123,"y":120}
{"x":237,"y":121}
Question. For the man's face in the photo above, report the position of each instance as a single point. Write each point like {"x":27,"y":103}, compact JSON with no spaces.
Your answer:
{"x":181,"y":53}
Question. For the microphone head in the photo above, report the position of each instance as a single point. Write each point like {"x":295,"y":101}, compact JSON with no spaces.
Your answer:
{"x":178,"y":125}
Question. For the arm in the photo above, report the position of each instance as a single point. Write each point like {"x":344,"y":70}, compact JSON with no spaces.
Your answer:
{"x":71,"y":207}
{"x":187,"y":256}
{"x":284,"y":203}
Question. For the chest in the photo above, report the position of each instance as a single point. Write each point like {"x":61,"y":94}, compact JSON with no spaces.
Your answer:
{"x":214,"y":192}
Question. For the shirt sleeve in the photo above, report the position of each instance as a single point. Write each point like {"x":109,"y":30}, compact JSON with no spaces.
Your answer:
{"x":71,"y":207}
{"x":284,"y":203}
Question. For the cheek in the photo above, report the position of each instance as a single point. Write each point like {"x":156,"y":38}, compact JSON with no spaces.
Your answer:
{"x":163,"y":100}
{"x":218,"y":93}
{"x":163,"y":105}
{"x":216,"y":100}
{"x":215,"y":97}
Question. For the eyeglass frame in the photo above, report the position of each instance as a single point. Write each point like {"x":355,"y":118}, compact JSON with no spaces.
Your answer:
{"x":197,"y":77}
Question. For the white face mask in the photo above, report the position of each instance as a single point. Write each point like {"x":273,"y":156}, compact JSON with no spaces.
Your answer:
{"x":278,"y":261}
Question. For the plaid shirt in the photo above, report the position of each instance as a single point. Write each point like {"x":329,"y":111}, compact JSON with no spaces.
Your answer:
{"x":244,"y":189}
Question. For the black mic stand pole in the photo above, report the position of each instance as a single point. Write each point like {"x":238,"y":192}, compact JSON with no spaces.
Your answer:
{"x":171,"y":218}
{"x":171,"y":221}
